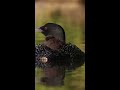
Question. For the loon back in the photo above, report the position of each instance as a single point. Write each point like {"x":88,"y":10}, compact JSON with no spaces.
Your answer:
{"x":69,"y":56}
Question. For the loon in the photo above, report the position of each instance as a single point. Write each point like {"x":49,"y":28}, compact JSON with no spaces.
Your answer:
{"x":54,"y":51}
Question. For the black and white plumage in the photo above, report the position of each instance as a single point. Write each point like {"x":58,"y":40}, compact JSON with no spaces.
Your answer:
{"x":69,"y":56}
{"x":55,"y":51}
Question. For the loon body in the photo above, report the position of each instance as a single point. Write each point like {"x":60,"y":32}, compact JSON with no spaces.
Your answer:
{"x":55,"y":51}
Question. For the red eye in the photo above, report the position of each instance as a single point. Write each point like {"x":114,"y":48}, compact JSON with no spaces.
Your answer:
{"x":45,"y":28}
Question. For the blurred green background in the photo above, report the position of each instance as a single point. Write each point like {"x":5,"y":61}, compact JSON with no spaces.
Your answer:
{"x":70,"y":14}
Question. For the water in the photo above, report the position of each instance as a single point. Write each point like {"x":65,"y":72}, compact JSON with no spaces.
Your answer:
{"x":74,"y":80}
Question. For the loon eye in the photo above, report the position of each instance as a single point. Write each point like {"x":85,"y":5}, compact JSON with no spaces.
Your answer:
{"x":43,"y":59}
{"x":45,"y":28}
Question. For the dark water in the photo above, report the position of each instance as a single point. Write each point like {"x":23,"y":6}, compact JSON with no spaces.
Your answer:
{"x":73,"y":80}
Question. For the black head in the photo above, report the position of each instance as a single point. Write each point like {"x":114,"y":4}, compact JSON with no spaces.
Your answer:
{"x":54,"y":30}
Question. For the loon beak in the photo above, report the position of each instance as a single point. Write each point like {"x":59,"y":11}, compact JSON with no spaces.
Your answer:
{"x":38,"y":30}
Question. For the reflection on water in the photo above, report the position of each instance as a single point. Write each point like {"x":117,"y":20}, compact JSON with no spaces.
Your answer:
{"x":58,"y":78}
{"x":53,"y":76}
